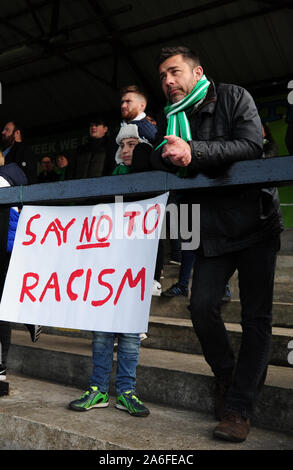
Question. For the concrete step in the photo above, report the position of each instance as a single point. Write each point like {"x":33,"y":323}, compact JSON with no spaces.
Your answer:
{"x":164,"y":377}
{"x":175,"y":334}
{"x":283,"y":288}
{"x":35,"y":417}
{"x":284,"y":265}
{"x":177,"y":307}
{"x":287,"y":242}
{"x":284,"y":262}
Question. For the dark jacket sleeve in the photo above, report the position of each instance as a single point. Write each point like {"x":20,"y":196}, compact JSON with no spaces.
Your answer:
{"x":152,"y":160}
{"x":243,"y":140}
{"x":25,"y":158}
{"x":111,"y":149}
{"x":146,"y":129}
{"x":13,"y":174}
{"x":141,"y":158}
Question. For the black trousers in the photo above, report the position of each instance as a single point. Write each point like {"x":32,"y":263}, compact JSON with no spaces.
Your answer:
{"x":5,"y":339}
{"x":256,"y":269}
{"x":5,"y":327}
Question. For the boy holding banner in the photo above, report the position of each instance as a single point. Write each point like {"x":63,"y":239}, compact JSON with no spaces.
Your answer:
{"x":128,"y":343}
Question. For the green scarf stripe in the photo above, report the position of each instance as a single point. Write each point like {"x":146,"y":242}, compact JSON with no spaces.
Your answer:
{"x":185,"y":131}
{"x":178,"y":123}
{"x":189,"y":137}
{"x":173,"y":127}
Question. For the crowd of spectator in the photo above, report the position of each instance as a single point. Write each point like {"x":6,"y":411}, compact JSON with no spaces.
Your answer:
{"x":98,"y":157}
{"x":129,"y":149}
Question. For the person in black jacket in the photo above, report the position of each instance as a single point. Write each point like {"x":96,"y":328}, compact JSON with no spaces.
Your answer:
{"x":48,"y":173}
{"x":10,"y":175}
{"x":132,"y":106}
{"x":89,"y":159}
{"x":15,"y":150}
{"x":240,"y":228}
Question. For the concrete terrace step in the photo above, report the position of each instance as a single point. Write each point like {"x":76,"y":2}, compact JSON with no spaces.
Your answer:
{"x":35,"y":416}
{"x":283,"y":288}
{"x":177,"y":307}
{"x":178,"y":335}
{"x":164,"y":377}
{"x":284,"y":267}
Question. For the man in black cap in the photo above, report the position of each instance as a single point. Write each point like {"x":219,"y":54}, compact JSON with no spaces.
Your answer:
{"x":89,"y":159}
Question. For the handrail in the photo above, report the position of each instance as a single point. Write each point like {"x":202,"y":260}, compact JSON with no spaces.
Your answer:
{"x":277,"y":171}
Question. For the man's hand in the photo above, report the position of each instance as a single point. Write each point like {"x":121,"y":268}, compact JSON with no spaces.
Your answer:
{"x":177,"y":150}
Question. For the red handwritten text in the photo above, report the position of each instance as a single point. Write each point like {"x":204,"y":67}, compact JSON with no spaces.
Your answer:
{"x":34,"y":289}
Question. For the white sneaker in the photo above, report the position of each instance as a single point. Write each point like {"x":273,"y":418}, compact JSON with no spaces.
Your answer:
{"x":157,"y":288}
{"x":2,"y":372}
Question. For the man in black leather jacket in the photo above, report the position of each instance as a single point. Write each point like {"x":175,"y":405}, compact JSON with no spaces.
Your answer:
{"x":240,"y":229}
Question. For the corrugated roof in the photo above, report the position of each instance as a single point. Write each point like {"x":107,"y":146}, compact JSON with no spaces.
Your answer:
{"x":62,"y":59}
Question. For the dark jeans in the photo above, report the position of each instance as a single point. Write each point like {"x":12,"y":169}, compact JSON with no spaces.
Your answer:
{"x":187,"y":262}
{"x":159,"y":261}
{"x":256,"y":268}
{"x":127,"y":360}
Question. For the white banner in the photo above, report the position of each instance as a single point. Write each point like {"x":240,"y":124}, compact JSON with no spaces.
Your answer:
{"x":84,"y":267}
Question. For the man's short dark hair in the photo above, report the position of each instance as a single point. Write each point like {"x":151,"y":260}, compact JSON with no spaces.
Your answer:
{"x":133,"y":89}
{"x":188,"y":54}
{"x":98,"y":121}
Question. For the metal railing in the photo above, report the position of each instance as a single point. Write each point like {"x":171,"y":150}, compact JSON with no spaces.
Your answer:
{"x":269,"y":172}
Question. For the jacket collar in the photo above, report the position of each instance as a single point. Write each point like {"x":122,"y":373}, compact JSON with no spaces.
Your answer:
{"x":209,"y":103}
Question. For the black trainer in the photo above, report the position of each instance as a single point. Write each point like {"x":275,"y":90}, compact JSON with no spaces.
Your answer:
{"x":175,"y":291}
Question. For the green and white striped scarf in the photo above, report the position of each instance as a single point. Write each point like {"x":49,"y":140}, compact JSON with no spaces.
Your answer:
{"x":178,"y":123}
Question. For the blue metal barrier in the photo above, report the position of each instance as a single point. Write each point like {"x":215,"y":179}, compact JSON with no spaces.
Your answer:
{"x":254,"y":173}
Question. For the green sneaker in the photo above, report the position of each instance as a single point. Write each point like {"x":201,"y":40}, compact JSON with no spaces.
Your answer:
{"x":91,"y":398}
{"x":128,"y":401}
